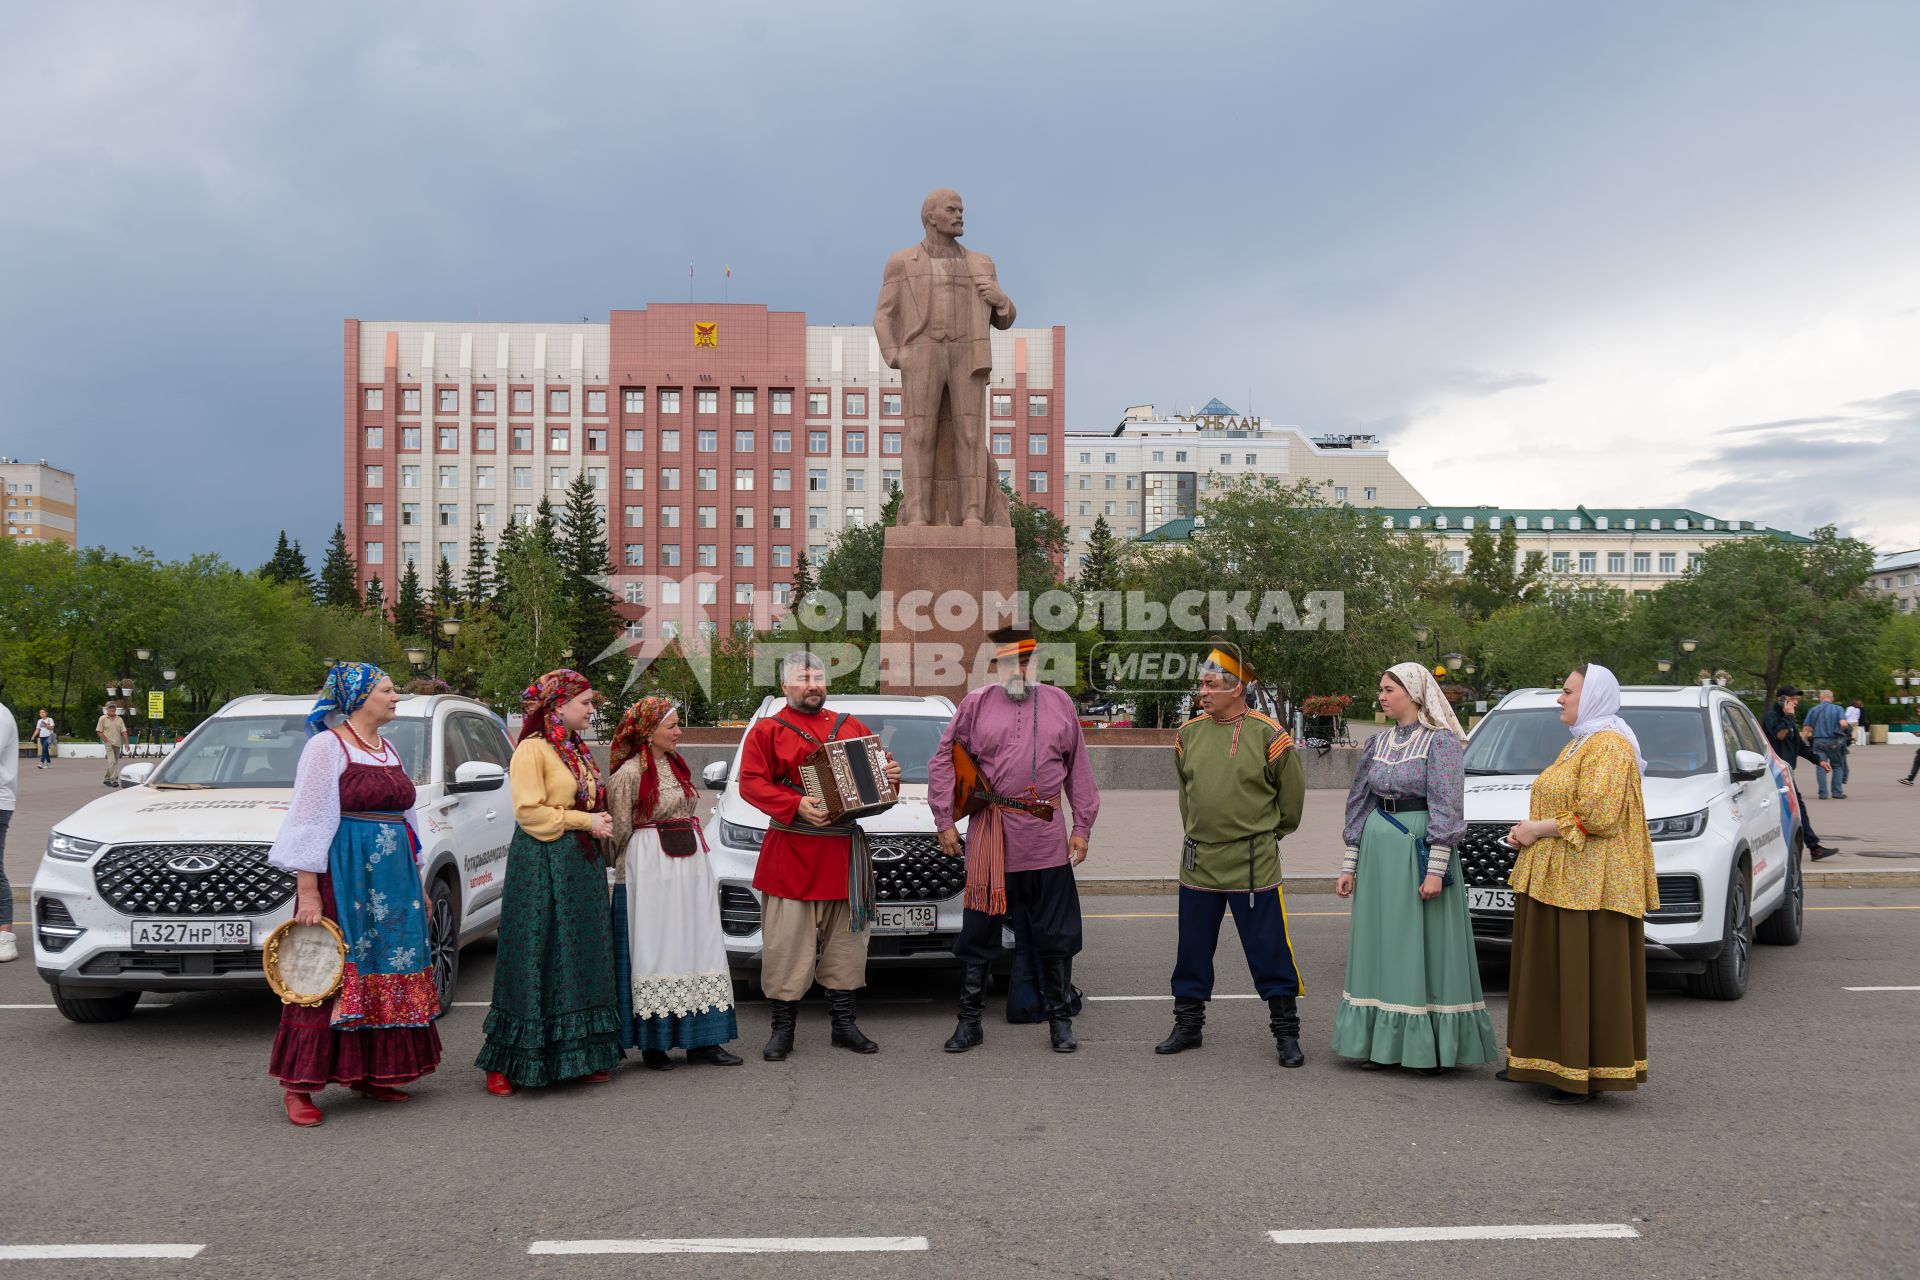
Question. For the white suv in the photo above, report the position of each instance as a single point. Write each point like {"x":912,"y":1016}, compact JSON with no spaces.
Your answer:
{"x":1725,"y":848}
{"x":163,"y":885}
{"x":918,"y":889}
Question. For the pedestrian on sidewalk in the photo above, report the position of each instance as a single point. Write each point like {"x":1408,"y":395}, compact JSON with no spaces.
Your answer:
{"x":1242,"y":790}
{"x":112,"y":732}
{"x":1855,"y":718}
{"x":1826,"y":728}
{"x":1412,"y":995}
{"x":1583,"y":883}
{"x":1025,"y":739}
{"x":9,"y":790}
{"x":1784,"y":737}
{"x":44,"y":734}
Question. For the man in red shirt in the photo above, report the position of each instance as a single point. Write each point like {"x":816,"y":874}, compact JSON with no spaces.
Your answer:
{"x":808,"y":927}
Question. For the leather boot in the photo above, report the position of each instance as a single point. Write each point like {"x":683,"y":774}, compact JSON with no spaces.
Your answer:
{"x":301,"y":1111}
{"x":973,"y":999}
{"x":846,"y":1032}
{"x":1285,"y":1025}
{"x":780,"y":1043}
{"x":713,"y":1055}
{"x":1188,"y":1017}
{"x":1057,"y":994}
{"x":381,"y":1092}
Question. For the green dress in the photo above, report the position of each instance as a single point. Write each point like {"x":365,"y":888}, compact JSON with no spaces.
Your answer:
{"x":554,"y":1014}
{"x":1413,"y":994}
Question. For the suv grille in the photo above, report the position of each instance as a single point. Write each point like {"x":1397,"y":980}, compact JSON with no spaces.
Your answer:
{"x":136,"y":879}
{"x":739,"y":911}
{"x":911,"y":868}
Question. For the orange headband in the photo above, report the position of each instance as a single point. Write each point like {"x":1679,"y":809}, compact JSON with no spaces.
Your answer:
{"x":1228,"y":663}
{"x":1020,"y":648}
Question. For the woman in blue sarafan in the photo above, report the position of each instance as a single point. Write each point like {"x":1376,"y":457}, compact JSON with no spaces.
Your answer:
{"x":1412,"y":995}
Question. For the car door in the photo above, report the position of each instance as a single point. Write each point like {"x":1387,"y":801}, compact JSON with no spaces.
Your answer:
{"x":1755,"y":801}
{"x":482,"y":820}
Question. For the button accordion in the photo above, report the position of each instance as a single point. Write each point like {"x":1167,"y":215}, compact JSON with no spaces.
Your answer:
{"x":849,"y":777}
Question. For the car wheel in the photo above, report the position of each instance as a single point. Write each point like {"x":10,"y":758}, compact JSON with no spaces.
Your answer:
{"x":111,"y":1008}
{"x":1726,"y":975}
{"x":1783,"y":927}
{"x":443,"y":940}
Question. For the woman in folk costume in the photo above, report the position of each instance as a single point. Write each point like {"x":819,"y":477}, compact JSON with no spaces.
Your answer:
{"x":554,"y":1014}
{"x":349,"y":838}
{"x":1583,"y":884}
{"x":671,"y":974}
{"x":1413,"y":995}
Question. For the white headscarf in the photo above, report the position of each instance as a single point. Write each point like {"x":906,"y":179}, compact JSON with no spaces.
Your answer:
{"x":1435,"y":711}
{"x":1599,"y":711}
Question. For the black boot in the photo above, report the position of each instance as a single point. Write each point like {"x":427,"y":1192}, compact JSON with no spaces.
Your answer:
{"x":1285,"y":1024}
{"x":713,"y":1055}
{"x":780,"y":1043}
{"x":1057,"y":994}
{"x":846,"y":1032}
{"x":1188,"y":1017}
{"x":973,"y":998}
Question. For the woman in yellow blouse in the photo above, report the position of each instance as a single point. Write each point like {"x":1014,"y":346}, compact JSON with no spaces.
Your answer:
{"x":1583,"y":881}
{"x":554,"y":1014}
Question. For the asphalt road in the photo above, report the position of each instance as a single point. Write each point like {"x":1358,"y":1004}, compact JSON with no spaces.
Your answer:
{"x":1779,"y":1135}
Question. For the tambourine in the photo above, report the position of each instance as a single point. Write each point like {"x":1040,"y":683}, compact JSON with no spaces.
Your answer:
{"x":305,"y":963}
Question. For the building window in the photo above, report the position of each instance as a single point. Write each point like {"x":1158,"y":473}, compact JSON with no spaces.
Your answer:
{"x":409,"y":514}
{"x":522,"y":514}
{"x":410,"y":552}
{"x":743,"y":555}
{"x":670,"y":559}
{"x":1367,"y":493}
{"x":783,"y":555}
{"x":783,"y":517}
{"x":636,"y":558}
{"x":449,"y":439}
{"x":1560,"y":562}
{"x":1002,"y":405}
{"x":706,"y":442}
{"x":523,"y":402}
{"x":1457,"y":561}
{"x":890,"y":404}
{"x":523,"y":439}
{"x":816,"y":480}
{"x":742,"y":479}
{"x":856,"y":442}
{"x":556,"y":477}
{"x":706,"y":478}
{"x":782,"y":479}
{"x":409,"y":437}
{"x":559,"y":440}
{"x":410,"y":400}
{"x":856,"y":517}
{"x":374,"y":553}
{"x":636,"y":438}
{"x":596,"y":439}
{"x":376,"y":476}
{"x":597,"y":477}
{"x":449,"y":400}
{"x":1086,"y":508}
{"x":483,"y":439}
{"x":634,"y":399}
{"x":783,"y":442}
{"x":1111,"y":509}
{"x":635,"y":592}
{"x":743,"y":402}
{"x":1036,"y":406}
{"x":633,"y":517}
{"x":376,"y":513}
{"x":523,"y":477}
{"x":409,"y":477}
{"x":1339,"y":493}
{"x":743,"y":442}
{"x":1668,"y":562}
{"x":889,"y":479}
{"x":706,"y":556}
{"x":483,"y":515}
{"x":743,"y":593}
{"x":376,"y":438}
{"x":1695,"y":559}
{"x":1002,"y":443}
{"x":816,"y":517}
{"x":1589,"y":561}
{"x":707,"y":593}
{"x":856,"y":404}
{"x":816,"y":442}
{"x":482,"y":401}
{"x":449,"y":515}
{"x":781,"y":403}
{"x":1253,"y":459}
{"x":596,"y":402}
{"x":449,"y":477}
{"x":1036,"y":444}
{"x":890,"y":442}
{"x":483,"y":477}
{"x":559,"y":399}
{"x":816,"y":404}
{"x":1107,"y":482}
{"x":669,"y":401}
{"x":669,"y":477}
{"x":706,"y":400}
{"x":633,"y":478}
{"x":1616,"y":562}
{"x":1037,"y":483}
{"x":374,"y":399}
{"x":856,"y":480}
{"x":670,"y":517}
{"x":670,"y":440}
{"x":743,"y":517}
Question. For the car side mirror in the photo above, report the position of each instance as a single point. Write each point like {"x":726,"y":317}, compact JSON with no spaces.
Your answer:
{"x":715,"y":776}
{"x":477,"y":775}
{"x":134,"y":775}
{"x":1748,"y":765}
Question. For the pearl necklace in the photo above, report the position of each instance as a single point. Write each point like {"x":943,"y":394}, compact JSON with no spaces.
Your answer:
{"x":368,"y":747}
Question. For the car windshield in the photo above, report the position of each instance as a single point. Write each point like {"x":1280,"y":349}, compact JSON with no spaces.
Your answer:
{"x":1673,"y":739}
{"x":262,"y":751}
{"x":910,"y":739}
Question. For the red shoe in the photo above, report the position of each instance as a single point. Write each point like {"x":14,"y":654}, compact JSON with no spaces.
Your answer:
{"x":498,"y":1085}
{"x":381,"y":1093}
{"x":301,"y":1111}
{"x":598,"y":1077}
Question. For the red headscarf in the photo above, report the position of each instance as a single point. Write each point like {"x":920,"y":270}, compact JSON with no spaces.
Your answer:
{"x":542,"y":702}
{"x":634,"y":738}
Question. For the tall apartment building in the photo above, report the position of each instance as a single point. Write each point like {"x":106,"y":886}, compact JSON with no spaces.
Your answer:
{"x":1898,"y":575}
{"x":1152,"y":469}
{"x":43,"y":502}
{"x":727,"y":439}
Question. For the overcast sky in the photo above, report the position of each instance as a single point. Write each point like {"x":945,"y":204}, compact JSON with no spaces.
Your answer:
{"x":1620,"y":254}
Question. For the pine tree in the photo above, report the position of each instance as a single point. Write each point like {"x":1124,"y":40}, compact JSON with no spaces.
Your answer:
{"x":376,"y":599}
{"x":544,"y":532}
{"x":477,"y":584}
{"x":585,"y":564}
{"x":280,"y":566}
{"x":1101,"y":569}
{"x":446,"y":596}
{"x":297,"y":571}
{"x":339,"y":576}
{"x":409,"y":608}
{"x":803,"y":583}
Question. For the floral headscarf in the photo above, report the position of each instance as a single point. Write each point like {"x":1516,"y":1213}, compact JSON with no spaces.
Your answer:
{"x":343,"y":692}
{"x":634,"y":739}
{"x":541,"y":702}
{"x":1435,"y":711}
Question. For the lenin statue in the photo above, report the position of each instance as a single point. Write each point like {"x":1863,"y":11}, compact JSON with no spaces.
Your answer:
{"x":938,"y":305}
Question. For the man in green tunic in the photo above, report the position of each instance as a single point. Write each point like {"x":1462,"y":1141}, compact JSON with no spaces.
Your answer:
{"x":1241,"y":792}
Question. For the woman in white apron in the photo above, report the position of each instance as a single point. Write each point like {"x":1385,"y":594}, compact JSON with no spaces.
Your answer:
{"x":670,"y":957}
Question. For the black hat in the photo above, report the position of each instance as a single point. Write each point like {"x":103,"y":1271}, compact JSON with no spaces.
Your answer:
{"x":1787,"y":691}
{"x":1012,"y":641}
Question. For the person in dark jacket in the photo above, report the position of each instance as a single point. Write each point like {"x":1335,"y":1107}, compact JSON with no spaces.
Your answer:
{"x":1783,"y":735}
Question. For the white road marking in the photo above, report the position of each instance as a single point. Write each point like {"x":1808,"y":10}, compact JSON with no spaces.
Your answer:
{"x":26,"y":1006}
{"x":1880,"y":988}
{"x":58,"y":1252}
{"x":768,"y":1244}
{"x":1377,"y":1235}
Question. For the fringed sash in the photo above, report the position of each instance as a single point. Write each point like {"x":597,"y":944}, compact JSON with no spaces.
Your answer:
{"x":860,"y":888}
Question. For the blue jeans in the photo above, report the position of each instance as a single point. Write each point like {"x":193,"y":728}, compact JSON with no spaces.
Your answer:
{"x":1835,"y":751}
{"x":46,"y":750}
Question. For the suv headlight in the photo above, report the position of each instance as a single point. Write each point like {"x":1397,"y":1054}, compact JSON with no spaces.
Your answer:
{"x":741,"y":837}
{"x":1684,"y":827}
{"x":70,"y":849}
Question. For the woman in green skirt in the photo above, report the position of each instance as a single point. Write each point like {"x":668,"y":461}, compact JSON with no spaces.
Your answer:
{"x":554,"y":1014}
{"x":1412,"y":994}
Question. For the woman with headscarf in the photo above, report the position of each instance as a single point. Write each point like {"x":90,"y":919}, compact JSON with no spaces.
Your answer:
{"x":554,"y":1015}
{"x":349,"y":839}
{"x":1412,"y":995}
{"x":1583,"y":884}
{"x":671,"y":974}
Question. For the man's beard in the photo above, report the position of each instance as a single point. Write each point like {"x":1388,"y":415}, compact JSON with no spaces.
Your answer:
{"x":807,"y":702}
{"x":1017,"y":688}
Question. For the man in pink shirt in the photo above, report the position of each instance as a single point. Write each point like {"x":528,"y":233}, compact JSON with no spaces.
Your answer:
{"x":1025,"y":737}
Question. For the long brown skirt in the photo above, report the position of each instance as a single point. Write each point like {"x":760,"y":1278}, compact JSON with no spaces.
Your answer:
{"x":1577,"y":998}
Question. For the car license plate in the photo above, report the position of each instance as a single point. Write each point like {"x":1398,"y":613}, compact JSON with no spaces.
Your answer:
{"x":1490,"y":900}
{"x":918,"y":918}
{"x":193,"y":933}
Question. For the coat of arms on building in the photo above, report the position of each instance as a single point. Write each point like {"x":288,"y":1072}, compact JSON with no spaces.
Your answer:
{"x":706,"y":335}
